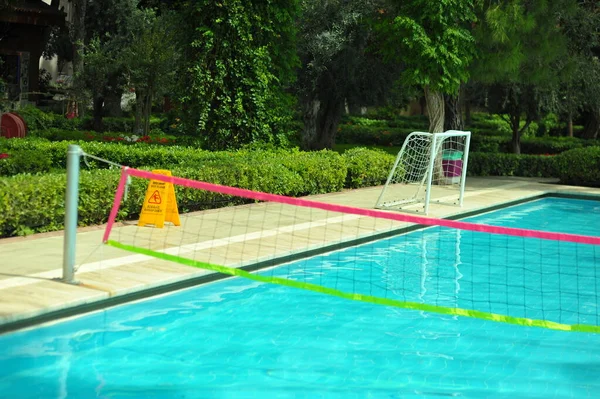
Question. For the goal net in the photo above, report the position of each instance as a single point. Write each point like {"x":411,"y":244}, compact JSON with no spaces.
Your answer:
{"x":436,"y":267}
{"x":430,"y":167}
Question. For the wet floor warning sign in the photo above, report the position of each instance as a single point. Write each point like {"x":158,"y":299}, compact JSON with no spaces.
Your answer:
{"x":155,"y":198}
{"x":160,"y":205}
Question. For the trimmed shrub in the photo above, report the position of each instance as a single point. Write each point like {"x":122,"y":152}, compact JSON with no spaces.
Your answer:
{"x":122,"y":124}
{"x":155,"y":137}
{"x":553,"y":145}
{"x":289,"y":173}
{"x":321,"y":172}
{"x":580,"y":167}
{"x":371,"y":135}
{"x":37,"y":121}
{"x":31,"y":204}
{"x":24,"y":161}
{"x":35,"y":203}
{"x":367,"y":167}
{"x":492,"y":164}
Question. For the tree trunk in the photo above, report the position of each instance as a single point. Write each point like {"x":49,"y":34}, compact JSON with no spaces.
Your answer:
{"x":435,"y":110}
{"x":466,"y":100}
{"x":311,"y":113}
{"x":112,"y":103}
{"x":353,"y":109}
{"x":139,"y":114}
{"x":570,"y":125}
{"x":98,"y":113}
{"x":321,"y":120}
{"x":468,"y":117}
{"x":147,"y":112}
{"x":453,"y":119}
{"x":79,"y":9}
{"x":592,"y":126}
{"x":515,"y":121}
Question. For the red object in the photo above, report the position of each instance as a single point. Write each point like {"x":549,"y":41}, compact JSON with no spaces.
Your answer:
{"x":452,"y":168}
{"x":155,"y":198}
{"x":12,"y":126}
{"x":4,"y":156}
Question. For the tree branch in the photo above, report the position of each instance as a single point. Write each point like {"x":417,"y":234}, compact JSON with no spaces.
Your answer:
{"x":505,"y":119}
{"x":525,"y":126}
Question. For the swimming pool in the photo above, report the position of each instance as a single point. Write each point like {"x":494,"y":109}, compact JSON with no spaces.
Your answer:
{"x":238,"y":338}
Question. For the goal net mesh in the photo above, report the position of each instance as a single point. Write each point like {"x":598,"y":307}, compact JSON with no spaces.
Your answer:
{"x":427,"y":163}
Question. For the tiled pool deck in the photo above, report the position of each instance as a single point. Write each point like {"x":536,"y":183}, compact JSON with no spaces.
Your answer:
{"x":31,"y":267}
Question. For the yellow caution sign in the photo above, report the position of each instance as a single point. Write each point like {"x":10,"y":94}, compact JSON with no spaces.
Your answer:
{"x":160,"y":205}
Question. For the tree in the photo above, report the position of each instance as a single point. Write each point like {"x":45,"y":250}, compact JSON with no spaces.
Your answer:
{"x":79,"y":9}
{"x":580,"y":92}
{"x":433,"y":41}
{"x":111,"y":24}
{"x":239,"y":56}
{"x":339,"y":64}
{"x":521,"y":48}
{"x":453,"y":117}
{"x":100,"y":64}
{"x":150,"y":61}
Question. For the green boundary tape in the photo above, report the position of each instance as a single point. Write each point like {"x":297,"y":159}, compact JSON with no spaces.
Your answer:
{"x":359,"y":297}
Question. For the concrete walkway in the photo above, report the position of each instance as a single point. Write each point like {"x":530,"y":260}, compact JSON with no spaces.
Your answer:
{"x":30,"y":267}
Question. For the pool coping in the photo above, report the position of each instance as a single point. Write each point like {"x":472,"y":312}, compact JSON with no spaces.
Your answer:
{"x":189,"y":282}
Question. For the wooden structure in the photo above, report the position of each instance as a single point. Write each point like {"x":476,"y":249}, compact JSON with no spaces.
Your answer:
{"x":24,"y":29}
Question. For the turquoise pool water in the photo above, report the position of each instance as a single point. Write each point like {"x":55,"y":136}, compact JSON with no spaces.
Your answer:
{"x":241,"y":339}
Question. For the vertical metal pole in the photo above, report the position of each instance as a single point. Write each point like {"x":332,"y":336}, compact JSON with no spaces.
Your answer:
{"x":71,"y":198}
{"x":393,"y":171}
{"x":463,"y":178}
{"x":432,"y":156}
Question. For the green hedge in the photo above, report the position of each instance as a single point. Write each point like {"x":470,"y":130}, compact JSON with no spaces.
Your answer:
{"x":491,"y":164}
{"x":38,"y":121}
{"x":367,"y":167}
{"x":24,"y":161}
{"x":35,"y":203}
{"x":155,"y":137}
{"x":134,"y":155}
{"x":379,"y":135}
{"x":580,"y":167}
{"x":371,"y":135}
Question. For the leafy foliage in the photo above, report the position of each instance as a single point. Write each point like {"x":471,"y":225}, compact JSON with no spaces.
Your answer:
{"x":338,"y":65}
{"x":432,"y":39}
{"x":522,"y":49}
{"x":367,"y":167}
{"x":494,"y":164}
{"x":580,"y":91}
{"x":109,"y":30}
{"x":32,"y":203}
{"x":238,"y":59}
{"x":580,"y":167}
{"x":150,"y":62}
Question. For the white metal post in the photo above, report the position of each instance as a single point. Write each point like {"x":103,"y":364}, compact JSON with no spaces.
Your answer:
{"x":74,"y":153}
{"x":463,"y":177}
{"x":432,"y":157}
{"x":393,"y":171}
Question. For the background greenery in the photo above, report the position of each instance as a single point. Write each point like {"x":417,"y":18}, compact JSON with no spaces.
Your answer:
{"x":232,"y":91}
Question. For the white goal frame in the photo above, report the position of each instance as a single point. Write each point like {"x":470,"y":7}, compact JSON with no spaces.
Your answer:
{"x":425,"y":172}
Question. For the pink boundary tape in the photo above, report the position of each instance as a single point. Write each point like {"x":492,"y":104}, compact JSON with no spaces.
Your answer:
{"x":427,"y":221}
{"x":117,"y":202}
